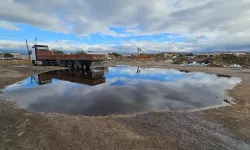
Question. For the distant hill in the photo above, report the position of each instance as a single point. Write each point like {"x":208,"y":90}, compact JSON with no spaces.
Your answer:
{"x":14,"y":51}
{"x":225,"y":51}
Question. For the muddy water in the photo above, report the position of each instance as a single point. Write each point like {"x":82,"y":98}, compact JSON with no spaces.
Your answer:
{"x":120,"y":90}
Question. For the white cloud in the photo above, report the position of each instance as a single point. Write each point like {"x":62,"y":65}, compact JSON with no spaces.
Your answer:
{"x":16,"y":11}
{"x":221,"y":44}
{"x":144,"y":71}
{"x":11,"y":45}
{"x":8,"y":26}
{"x":209,"y":17}
{"x":123,"y":47}
{"x":218,"y":21}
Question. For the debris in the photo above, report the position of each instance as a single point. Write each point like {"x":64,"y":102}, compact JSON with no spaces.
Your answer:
{"x":227,"y":101}
{"x":194,"y":63}
{"x":235,"y":66}
{"x":20,"y":134}
{"x":174,"y":57}
{"x":222,"y":60}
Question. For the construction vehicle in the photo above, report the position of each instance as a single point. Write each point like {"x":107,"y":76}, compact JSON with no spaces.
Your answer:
{"x":87,"y":77}
{"x":41,"y":55}
{"x":143,"y":55}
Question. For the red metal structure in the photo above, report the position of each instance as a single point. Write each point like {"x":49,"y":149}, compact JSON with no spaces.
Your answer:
{"x":144,"y":55}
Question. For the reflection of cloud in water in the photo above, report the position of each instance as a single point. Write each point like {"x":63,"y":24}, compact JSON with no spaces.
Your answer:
{"x":147,"y":71}
{"x":192,"y":90}
{"x":26,"y":96}
{"x":22,"y":84}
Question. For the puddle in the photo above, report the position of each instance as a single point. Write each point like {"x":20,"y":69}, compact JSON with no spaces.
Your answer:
{"x":120,"y":90}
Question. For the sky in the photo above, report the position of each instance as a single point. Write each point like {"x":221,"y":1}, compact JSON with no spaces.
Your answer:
{"x":123,"y":25}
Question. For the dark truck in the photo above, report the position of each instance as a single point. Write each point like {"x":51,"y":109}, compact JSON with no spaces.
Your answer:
{"x":41,"y":55}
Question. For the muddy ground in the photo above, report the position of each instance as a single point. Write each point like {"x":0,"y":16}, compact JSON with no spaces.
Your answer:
{"x":218,"y":128}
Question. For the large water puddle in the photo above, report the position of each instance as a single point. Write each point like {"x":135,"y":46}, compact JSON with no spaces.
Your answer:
{"x":120,"y":90}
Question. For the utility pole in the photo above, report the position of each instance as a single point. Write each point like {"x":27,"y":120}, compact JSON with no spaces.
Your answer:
{"x":28,"y":48}
{"x":35,"y":40}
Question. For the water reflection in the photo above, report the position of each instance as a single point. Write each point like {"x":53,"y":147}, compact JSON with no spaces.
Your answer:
{"x":88,"y":77}
{"x":120,"y":90}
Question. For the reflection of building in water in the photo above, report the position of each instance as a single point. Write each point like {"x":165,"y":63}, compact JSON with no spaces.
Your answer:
{"x":186,"y":71}
{"x":88,"y":77}
{"x":223,"y":75}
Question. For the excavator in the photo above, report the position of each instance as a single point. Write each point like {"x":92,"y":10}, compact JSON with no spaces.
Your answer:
{"x":143,"y":55}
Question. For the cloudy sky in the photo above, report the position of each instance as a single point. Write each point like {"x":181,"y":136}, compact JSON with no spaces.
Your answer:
{"x":124,"y":25}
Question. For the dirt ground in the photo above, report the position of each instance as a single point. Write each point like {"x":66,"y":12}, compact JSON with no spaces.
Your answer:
{"x":218,"y":128}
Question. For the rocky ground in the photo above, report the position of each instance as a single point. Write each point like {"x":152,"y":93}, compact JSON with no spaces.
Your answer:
{"x":218,"y":128}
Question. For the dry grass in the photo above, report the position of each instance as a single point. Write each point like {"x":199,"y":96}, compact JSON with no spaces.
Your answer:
{"x":15,"y":62}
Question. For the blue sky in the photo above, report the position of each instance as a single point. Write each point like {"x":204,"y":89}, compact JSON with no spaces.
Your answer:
{"x":29,"y":32}
{"x":122,"y":26}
